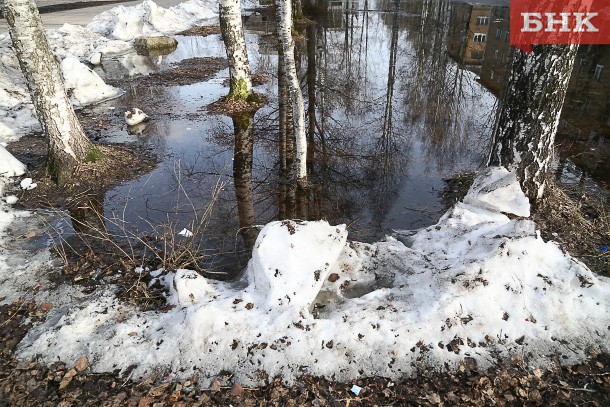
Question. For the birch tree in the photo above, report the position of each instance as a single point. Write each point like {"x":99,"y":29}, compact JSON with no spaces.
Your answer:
{"x":527,"y":121}
{"x":68,"y":144}
{"x":232,"y":32}
{"x":284,"y":23}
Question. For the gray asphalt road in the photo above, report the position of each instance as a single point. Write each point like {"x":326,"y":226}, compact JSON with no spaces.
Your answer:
{"x":81,"y":16}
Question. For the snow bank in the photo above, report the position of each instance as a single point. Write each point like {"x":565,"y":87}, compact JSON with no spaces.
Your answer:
{"x":126,"y":23}
{"x":83,"y":85}
{"x":477,"y":284}
{"x":109,"y":34}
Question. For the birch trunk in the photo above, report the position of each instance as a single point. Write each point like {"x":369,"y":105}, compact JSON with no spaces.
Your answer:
{"x":232,"y":32}
{"x":68,"y":144}
{"x":527,"y":121}
{"x":284,"y":18}
{"x":311,"y":91}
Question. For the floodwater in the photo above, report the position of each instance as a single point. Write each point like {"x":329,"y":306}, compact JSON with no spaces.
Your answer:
{"x":394,"y":115}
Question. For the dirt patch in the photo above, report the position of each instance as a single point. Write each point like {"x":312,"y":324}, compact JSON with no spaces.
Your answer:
{"x":186,"y":72}
{"x":91,"y":254}
{"x":579,"y":222}
{"x":120,"y":163}
{"x":456,"y":188}
{"x":231,"y":107}
{"x":28,"y":383}
{"x":201,"y":31}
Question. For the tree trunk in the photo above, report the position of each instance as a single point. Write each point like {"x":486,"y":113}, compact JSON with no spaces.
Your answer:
{"x":232,"y":32}
{"x":297,"y":10}
{"x":68,"y":144}
{"x":284,"y":17}
{"x":529,"y":114}
{"x":242,"y":176}
{"x":311,"y":91}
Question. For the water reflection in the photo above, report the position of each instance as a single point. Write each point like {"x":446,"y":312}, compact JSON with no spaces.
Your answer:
{"x":242,"y":176}
{"x":395,"y":103}
{"x":480,"y":36}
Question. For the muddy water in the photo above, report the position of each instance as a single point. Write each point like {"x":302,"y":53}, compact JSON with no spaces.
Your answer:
{"x":394,"y":115}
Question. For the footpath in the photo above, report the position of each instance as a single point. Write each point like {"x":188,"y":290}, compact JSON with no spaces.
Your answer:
{"x":54,"y":13}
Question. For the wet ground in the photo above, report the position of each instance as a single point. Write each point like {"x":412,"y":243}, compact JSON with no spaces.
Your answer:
{"x":387,"y":136}
{"x":394,"y":117}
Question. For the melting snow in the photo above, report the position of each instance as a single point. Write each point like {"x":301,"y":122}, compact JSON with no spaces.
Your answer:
{"x":477,"y":284}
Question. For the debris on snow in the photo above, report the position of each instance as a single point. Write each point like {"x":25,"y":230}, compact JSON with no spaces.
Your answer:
{"x":440,"y":300}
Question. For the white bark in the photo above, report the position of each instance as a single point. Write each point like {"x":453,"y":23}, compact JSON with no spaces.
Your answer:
{"x":284,"y":17}
{"x":68,"y":144}
{"x":235,"y":43}
{"x":527,"y":120}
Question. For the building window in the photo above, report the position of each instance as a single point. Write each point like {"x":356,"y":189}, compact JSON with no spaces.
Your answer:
{"x":481,"y":20}
{"x":581,"y":67}
{"x":598,"y":72}
{"x":479,"y":37}
{"x":506,"y":36}
{"x":498,"y":33}
{"x":491,"y":75}
{"x":496,"y":54}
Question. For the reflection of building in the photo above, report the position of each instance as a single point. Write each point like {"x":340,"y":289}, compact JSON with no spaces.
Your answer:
{"x":498,"y":52}
{"x":468,"y":32}
{"x":587,"y":104}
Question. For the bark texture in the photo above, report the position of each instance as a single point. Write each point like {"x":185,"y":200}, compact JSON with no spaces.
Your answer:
{"x":527,"y":120}
{"x":68,"y":144}
{"x":284,"y":19}
{"x":232,"y":32}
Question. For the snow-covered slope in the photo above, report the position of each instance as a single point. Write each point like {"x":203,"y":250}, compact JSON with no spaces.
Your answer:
{"x":477,"y":284}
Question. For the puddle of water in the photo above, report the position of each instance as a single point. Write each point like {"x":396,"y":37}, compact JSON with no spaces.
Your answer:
{"x":394,"y":115}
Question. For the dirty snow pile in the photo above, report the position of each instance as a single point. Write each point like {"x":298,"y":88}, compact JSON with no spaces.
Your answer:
{"x":126,"y":23}
{"x":110,"y":35}
{"x":20,"y":266}
{"x":477,"y":284}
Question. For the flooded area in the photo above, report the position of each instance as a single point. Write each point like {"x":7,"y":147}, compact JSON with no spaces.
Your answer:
{"x":392,"y":110}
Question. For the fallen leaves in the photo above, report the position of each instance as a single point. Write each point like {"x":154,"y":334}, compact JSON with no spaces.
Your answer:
{"x":81,"y":364}
{"x":31,"y":383}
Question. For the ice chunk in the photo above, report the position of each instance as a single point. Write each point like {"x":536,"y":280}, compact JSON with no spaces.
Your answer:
{"x":291,"y":260}
{"x":498,"y":190}
{"x":9,"y":165}
{"x":189,"y":287}
{"x":11,"y":199}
